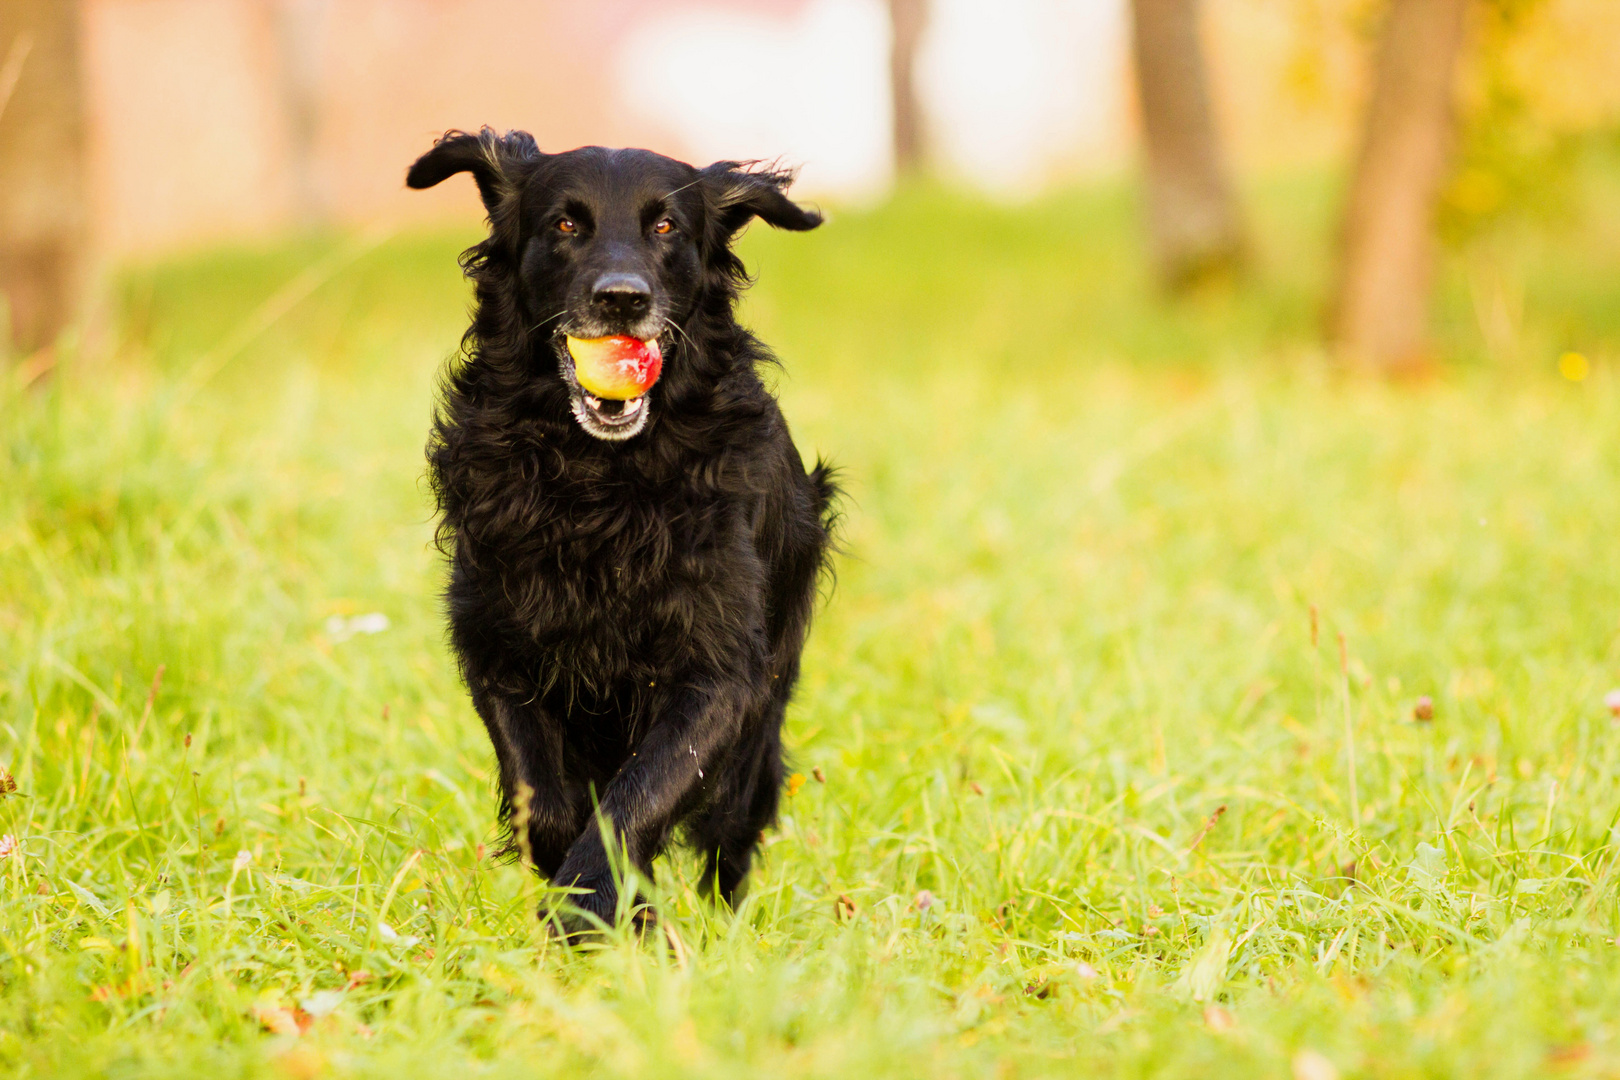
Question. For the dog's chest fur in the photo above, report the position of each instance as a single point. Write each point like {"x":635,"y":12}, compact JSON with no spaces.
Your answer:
{"x":602,"y":568}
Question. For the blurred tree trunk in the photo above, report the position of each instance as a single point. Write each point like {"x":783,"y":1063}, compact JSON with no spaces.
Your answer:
{"x":1193,"y":218}
{"x":43,"y":218}
{"x":299,"y":27}
{"x":908,"y":19}
{"x":1379,"y":315}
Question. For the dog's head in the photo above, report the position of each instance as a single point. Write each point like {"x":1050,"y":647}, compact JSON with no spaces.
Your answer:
{"x":615,"y":246}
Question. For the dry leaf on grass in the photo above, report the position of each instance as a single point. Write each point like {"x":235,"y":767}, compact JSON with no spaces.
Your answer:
{"x":276,"y":1017}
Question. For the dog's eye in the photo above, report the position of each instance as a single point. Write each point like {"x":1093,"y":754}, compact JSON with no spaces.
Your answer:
{"x":664,"y":227}
{"x":566,"y":225}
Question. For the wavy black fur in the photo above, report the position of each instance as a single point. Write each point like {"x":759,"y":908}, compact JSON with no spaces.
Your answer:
{"x":628,"y":616}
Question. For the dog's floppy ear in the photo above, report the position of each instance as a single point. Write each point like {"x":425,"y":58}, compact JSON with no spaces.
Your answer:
{"x":497,"y":162}
{"x":738,"y":193}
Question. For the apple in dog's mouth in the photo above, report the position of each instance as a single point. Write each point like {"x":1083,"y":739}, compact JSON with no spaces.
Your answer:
{"x":610,"y":377}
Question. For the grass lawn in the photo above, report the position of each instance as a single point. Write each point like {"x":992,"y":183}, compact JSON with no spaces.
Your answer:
{"x":1087,"y":751}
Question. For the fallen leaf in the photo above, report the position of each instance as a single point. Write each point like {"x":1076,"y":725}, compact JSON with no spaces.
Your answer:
{"x":1569,"y":1055}
{"x":128,"y":988}
{"x":1205,"y":974}
{"x":321,"y":1003}
{"x":280,"y":1019}
{"x":88,"y":898}
{"x":1218,"y":1019}
{"x":388,"y":933}
{"x":1428,"y":867}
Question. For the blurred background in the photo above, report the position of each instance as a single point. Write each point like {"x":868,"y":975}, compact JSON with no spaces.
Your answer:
{"x":1129,"y":537}
{"x":133,"y":129}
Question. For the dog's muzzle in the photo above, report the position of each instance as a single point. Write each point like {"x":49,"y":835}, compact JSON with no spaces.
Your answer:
{"x":611,"y":414}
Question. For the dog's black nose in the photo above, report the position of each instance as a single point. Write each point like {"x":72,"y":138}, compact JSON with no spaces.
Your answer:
{"x":621,"y":296}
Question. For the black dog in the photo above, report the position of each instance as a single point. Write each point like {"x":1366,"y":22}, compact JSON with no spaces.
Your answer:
{"x":631,"y":584}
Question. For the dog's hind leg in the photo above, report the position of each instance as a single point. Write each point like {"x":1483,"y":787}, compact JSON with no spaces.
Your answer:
{"x":728,"y":834}
{"x":542,"y":810}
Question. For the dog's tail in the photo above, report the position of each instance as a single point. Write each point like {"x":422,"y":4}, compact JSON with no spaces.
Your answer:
{"x":824,"y":479}
{"x":824,"y":482}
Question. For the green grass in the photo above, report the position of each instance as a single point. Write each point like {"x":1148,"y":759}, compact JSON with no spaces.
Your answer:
{"x":1085,"y":537}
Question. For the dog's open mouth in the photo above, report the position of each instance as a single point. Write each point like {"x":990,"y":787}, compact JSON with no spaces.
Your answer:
{"x":609,"y":382}
{"x":610,"y":419}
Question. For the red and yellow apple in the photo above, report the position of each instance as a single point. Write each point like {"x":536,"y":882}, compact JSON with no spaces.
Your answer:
{"x":617,"y":368}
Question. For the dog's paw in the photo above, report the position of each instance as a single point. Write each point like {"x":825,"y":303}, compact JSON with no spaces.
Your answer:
{"x":583,"y":914}
{"x":588,"y":914}
{"x":570,"y":927}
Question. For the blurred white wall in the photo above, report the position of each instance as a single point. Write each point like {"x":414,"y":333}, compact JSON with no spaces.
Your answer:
{"x":809,"y":86}
{"x":1015,"y":91}
{"x":1021,"y":92}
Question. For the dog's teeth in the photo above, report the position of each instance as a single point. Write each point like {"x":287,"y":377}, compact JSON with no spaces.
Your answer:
{"x":593,"y":401}
{"x":631,"y":406}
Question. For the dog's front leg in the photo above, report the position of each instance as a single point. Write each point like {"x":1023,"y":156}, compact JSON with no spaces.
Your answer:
{"x":640,"y":804}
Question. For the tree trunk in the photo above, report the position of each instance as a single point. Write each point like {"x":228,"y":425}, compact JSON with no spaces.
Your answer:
{"x":1379,"y":316}
{"x":908,"y":19}
{"x":299,"y":27}
{"x":43,"y":218}
{"x":1193,"y":219}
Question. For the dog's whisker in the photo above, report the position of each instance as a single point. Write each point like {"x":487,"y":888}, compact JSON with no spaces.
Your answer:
{"x":683,"y":187}
{"x":675,"y":326}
